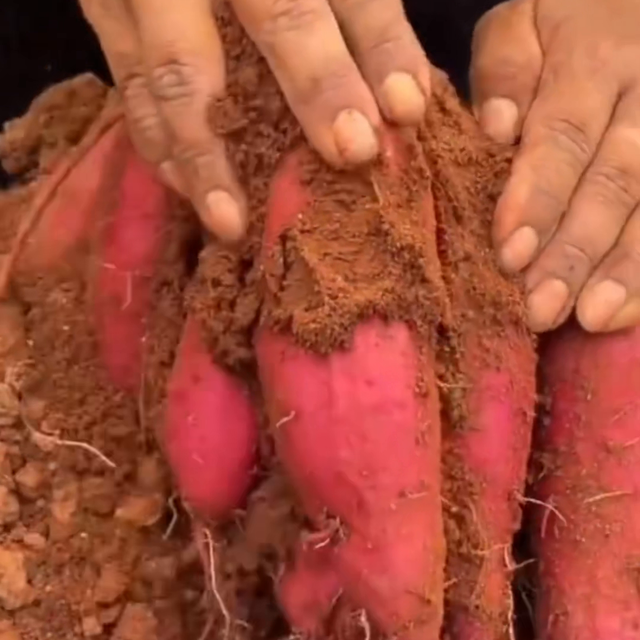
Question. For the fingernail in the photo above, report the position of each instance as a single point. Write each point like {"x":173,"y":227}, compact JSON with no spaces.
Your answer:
{"x":545,"y":304}
{"x":519,"y":249}
{"x":354,"y":137}
{"x":402,"y":99}
{"x":601,"y":304}
{"x":223,"y":216}
{"x":498,"y":118}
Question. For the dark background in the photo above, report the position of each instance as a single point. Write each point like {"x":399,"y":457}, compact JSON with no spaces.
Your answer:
{"x":45,"y":41}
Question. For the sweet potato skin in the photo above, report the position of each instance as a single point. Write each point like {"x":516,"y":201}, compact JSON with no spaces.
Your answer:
{"x":362,"y":449}
{"x":71,"y":214}
{"x":587,"y":538}
{"x":131,"y":242}
{"x":210,"y":431}
{"x":491,"y":452}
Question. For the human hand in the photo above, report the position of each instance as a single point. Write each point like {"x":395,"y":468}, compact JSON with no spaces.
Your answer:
{"x":563,"y":76}
{"x":167,"y":59}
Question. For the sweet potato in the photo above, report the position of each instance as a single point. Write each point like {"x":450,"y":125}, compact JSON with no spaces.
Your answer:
{"x":488,"y":363}
{"x":210,"y":431}
{"x":362,"y":449}
{"x":587,"y":522}
{"x":488,"y":463}
{"x":131,"y":241}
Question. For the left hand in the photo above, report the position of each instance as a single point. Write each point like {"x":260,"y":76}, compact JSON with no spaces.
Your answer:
{"x":564,"y":77}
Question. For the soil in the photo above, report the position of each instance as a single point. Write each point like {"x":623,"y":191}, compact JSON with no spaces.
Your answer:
{"x":95,"y":543}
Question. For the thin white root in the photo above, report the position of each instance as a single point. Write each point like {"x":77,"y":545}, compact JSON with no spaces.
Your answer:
{"x":607,"y":496}
{"x":546,"y":505}
{"x":174,"y":516}
{"x":510,"y":565}
{"x":286,"y":419}
{"x":206,"y":630}
{"x":364,"y":621}
{"x":214,"y":585}
{"x":59,"y":442}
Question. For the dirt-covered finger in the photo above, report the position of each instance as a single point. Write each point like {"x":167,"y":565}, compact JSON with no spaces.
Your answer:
{"x":324,"y":87}
{"x":388,"y":54}
{"x":116,"y":30}
{"x":184,"y":65}
{"x":506,"y":62}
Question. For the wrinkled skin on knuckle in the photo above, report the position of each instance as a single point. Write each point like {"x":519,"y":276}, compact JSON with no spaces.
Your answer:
{"x":566,"y":261}
{"x":615,"y":184}
{"x":143,"y":120}
{"x":284,"y":17}
{"x":329,"y":86}
{"x":569,"y":137}
{"x":386,"y":43}
{"x":173,"y":81}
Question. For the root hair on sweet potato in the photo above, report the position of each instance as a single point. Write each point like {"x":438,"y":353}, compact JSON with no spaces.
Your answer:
{"x":541,"y":503}
{"x":607,"y":496}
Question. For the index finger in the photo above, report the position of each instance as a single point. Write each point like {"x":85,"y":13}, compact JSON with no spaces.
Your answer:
{"x":559,"y":139}
{"x":185,"y":66}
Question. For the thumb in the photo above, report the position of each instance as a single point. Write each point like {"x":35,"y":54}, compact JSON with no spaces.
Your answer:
{"x":505,"y":68}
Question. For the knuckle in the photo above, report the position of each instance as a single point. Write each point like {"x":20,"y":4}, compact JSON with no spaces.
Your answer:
{"x":133,"y":88}
{"x":327,"y":87}
{"x":615,"y":184}
{"x":569,"y":137}
{"x":387,"y":41}
{"x":141,"y":113}
{"x":203,"y":166}
{"x":575,"y":259}
{"x":173,"y":81}
{"x":287,"y":16}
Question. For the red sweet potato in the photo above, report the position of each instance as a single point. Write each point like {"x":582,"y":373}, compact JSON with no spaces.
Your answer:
{"x":589,"y":452}
{"x":74,"y":202}
{"x":490,"y":452}
{"x":210,"y":430}
{"x":131,"y":241}
{"x":362,"y":450}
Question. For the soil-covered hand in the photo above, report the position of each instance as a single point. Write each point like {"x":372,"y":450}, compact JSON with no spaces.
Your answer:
{"x":563,"y":76}
{"x":168,"y":62}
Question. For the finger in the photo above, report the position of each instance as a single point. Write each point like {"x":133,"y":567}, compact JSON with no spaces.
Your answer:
{"x":606,"y":196}
{"x":302,"y":42}
{"x":185,"y":69}
{"x":563,"y":128}
{"x":506,"y":61}
{"x":611,"y":299}
{"x":116,"y":31}
{"x":389,"y":55}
